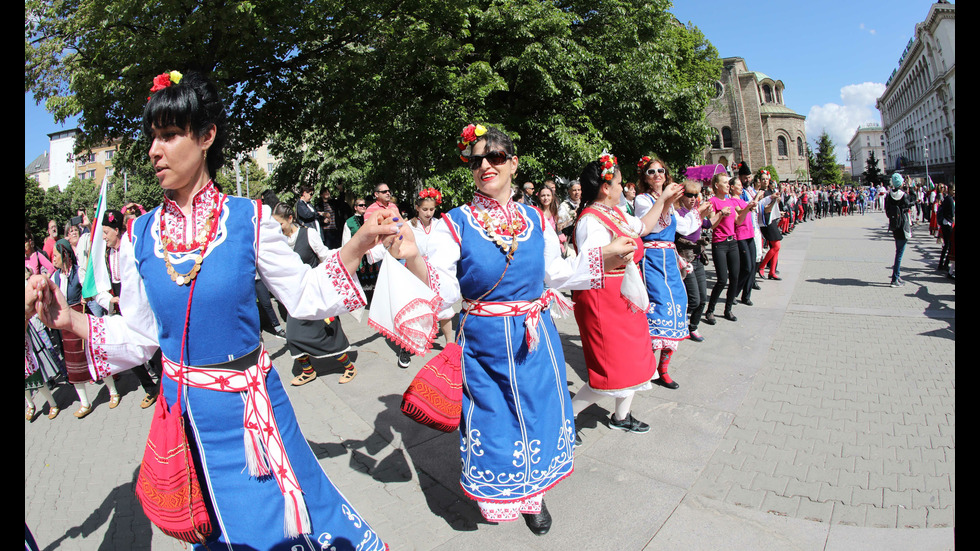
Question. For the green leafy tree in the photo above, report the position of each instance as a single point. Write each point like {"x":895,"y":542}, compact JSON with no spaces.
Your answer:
{"x":378,"y":90}
{"x":872,"y":174}
{"x":35,"y":209}
{"x":824,"y":168}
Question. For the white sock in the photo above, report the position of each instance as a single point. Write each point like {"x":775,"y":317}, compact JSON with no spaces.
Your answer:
{"x":584,"y":398}
{"x":111,"y":384}
{"x":82,"y":395}
{"x":623,"y":407}
{"x":46,"y":392}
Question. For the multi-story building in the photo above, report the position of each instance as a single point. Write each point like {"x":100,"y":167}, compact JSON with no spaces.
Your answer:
{"x":94,"y":165}
{"x":61,"y":163}
{"x":752,"y":123}
{"x":39,"y":170}
{"x":918,"y":107}
{"x":868,"y":139}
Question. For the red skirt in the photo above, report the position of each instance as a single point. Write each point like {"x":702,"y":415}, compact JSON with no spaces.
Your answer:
{"x":74,"y":349}
{"x":615,"y":339}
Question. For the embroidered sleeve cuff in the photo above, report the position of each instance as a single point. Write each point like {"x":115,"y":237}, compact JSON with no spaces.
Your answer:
{"x":95,"y":352}
{"x":346,"y":286}
{"x":595,"y":267}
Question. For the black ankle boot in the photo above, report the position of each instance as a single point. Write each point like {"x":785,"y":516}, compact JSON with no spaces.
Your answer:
{"x":539,"y":523}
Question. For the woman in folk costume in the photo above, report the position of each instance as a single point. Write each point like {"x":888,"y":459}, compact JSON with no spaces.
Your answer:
{"x":667,"y":314}
{"x":423,"y":225}
{"x":188,"y":268}
{"x":612,"y":320}
{"x":42,"y":360}
{"x":76,"y":363}
{"x":317,"y":338}
{"x":516,"y":426}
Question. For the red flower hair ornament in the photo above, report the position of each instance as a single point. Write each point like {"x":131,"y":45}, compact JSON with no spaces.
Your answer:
{"x":431,"y":193}
{"x":467,"y":138}
{"x":609,"y":164}
{"x":164,"y":80}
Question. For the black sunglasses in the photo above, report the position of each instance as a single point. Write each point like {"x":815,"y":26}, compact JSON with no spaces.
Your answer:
{"x":384,"y":191}
{"x":692,"y":195}
{"x":495,"y":158}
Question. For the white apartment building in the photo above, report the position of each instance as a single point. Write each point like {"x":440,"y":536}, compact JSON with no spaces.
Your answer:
{"x":868,"y":139}
{"x":918,"y":107}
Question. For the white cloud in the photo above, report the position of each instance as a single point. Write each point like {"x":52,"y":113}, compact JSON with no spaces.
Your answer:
{"x":840,"y":121}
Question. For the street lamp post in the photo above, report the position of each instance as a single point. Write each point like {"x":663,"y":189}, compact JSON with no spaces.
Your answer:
{"x":927,"y":163}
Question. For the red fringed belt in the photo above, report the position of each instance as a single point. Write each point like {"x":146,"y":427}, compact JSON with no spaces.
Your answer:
{"x":532,"y":308}
{"x":263,"y":443}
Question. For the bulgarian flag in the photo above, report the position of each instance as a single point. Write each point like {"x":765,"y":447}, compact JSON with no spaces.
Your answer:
{"x":97,"y":274}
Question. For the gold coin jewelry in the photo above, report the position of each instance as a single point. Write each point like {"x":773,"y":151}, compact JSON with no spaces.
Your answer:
{"x":494,"y":229}
{"x":202,"y":240}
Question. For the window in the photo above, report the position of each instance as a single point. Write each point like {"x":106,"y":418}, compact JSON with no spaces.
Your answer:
{"x":799,"y":147}
{"x":719,"y":90}
{"x":767,"y":92}
{"x":109,"y":153}
{"x":781,"y":146}
{"x":715,"y":139}
{"x":726,"y":137}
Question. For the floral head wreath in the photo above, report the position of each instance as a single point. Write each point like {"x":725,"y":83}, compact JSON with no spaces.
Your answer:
{"x":431,"y":193}
{"x":467,"y":138}
{"x":164,"y":80}
{"x":642,"y":162}
{"x":764,"y":172}
{"x":609,"y":164}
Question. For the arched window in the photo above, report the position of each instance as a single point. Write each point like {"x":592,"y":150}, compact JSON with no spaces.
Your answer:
{"x":726,"y":137}
{"x":799,"y":147}
{"x":781,"y":146}
{"x":715,"y":139}
{"x":767,"y":92}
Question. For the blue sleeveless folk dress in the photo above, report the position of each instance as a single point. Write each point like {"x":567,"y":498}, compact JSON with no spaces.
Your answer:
{"x":248,"y":512}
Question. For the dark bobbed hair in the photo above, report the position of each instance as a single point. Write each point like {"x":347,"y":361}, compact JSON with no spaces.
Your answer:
{"x":193,"y":104}
{"x":495,"y":138}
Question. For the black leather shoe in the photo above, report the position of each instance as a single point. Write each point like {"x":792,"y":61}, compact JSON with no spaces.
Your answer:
{"x":746,"y":302}
{"x":755,"y":286}
{"x":730,"y":316}
{"x":777,"y":278}
{"x":539,"y":523}
{"x":578,"y":439}
{"x":709,"y":318}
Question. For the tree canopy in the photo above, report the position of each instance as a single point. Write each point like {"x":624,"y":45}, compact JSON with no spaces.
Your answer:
{"x":378,"y":90}
{"x":823,"y":167}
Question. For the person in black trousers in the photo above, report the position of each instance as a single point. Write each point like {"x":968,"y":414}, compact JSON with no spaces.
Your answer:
{"x":946,"y":213}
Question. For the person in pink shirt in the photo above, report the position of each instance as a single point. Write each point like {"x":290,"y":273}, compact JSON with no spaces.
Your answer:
{"x":724,"y":249}
{"x":382,"y":201}
{"x":744,"y":238}
{"x":34,"y":260}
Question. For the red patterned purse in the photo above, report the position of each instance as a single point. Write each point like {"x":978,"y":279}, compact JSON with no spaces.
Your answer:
{"x":435,"y":397}
{"x":167,"y":486}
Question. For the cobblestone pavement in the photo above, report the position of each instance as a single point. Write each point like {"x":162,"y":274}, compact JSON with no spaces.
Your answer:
{"x":823,"y":419}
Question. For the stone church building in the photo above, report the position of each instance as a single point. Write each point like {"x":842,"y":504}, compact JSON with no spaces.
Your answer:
{"x":753,"y":124}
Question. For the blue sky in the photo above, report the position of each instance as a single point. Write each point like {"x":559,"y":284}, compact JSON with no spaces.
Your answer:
{"x":833,"y":57}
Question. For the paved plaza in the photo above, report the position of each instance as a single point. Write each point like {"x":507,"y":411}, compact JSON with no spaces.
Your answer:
{"x":822,"y":420}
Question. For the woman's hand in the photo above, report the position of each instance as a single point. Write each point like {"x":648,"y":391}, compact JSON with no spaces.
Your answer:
{"x":617,"y":253}
{"x":402,"y":246}
{"x":671,"y":193}
{"x":379,"y":225}
{"x":50,"y":304}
